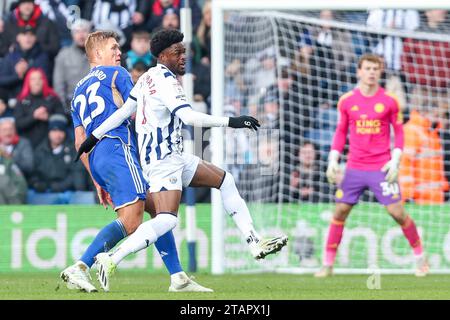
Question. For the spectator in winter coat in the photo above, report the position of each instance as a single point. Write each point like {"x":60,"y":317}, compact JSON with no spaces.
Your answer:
{"x":16,"y":148}
{"x":26,"y":54}
{"x":28,"y":13}
{"x":71,"y":63}
{"x":36,"y":103}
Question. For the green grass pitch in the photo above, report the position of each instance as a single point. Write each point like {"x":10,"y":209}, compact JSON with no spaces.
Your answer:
{"x":142,"y":286}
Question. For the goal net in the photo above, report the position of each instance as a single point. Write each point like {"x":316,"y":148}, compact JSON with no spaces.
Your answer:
{"x":288,"y":68}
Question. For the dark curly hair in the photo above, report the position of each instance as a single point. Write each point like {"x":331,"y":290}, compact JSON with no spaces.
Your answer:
{"x":163,"y":39}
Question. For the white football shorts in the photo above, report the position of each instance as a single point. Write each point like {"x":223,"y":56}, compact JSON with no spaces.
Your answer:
{"x":175,"y":172}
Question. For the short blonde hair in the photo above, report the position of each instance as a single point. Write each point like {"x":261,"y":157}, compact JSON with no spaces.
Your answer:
{"x":371,"y":58}
{"x":96,"y":39}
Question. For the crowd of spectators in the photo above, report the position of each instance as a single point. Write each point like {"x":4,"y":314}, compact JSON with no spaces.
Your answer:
{"x":42,"y":57}
{"x":295,"y":91}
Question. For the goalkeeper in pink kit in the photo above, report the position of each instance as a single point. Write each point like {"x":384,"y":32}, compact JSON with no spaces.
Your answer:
{"x":369,"y":112}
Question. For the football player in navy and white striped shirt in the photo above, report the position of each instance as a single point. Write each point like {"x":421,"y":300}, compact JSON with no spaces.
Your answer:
{"x":113,"y":163}
{"x":161,"y":107}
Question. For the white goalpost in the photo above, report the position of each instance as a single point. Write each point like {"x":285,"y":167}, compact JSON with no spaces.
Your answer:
{"x":286,"y":62}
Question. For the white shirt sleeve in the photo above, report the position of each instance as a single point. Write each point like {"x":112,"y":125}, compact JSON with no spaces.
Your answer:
{"x":200,"y":119}
{"x":173,"y":97}
{"x":117,"y":118}
{"x":172,"y":94}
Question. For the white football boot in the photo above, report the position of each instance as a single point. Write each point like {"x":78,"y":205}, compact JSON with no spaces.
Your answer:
{"x":105,"y":269}
{"x":180,"y":282}
{"x":265,"y":247}
{"x":77,"y":277}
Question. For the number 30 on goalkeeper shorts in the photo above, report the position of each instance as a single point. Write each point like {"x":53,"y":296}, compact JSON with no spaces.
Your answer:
{"x":389,"y":188}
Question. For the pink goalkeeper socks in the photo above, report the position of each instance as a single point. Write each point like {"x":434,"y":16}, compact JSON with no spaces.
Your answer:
{"x":334,"y":238}
{"x":337,"y":228}
{"x":410,"y":231}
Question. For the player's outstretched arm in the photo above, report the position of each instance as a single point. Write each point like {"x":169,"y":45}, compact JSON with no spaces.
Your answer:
{"x":115,"y":120}
{"x":244,"y":122}
{"x":200,"y":119}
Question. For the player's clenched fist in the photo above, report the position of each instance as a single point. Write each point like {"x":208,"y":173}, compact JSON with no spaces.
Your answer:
{"x":333,"y":166}
{"x":244,"y":122}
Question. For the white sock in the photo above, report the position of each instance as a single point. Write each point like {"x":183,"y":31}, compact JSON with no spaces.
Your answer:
{"x":236,"y":207}
{"x":82,"y":265}
{"x":176,"y":276}
{"x":419,"y":257}
{"x":146,"y":234}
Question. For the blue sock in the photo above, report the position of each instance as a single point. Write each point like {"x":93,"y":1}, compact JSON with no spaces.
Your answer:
{"x":105,"y":240}
{"x":168,"y":250}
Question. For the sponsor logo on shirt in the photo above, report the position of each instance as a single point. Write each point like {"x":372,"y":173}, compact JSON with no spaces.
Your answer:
{"x":379,"y":108}
{"x":368,"y":126}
